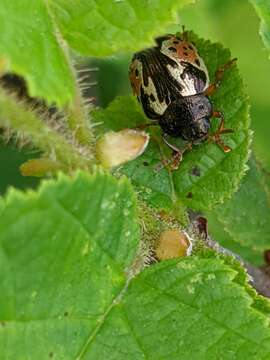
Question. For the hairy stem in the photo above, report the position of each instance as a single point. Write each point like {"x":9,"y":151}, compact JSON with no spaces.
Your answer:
{"x":24,"y":122}
{"x":78,"y":121}
{"x":76,"y":112}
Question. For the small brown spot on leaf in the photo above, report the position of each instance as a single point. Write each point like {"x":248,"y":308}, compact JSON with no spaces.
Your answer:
{"x":195,"y":171}
{"x":267,"y":256}
{"x":190,"y":195}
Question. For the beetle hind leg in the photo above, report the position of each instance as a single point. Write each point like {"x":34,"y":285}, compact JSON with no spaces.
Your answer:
{"x":216,"y":137}
{"x":218,"y":77}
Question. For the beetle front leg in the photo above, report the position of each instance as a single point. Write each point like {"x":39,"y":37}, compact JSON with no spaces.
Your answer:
{"x":147,"y":125}
{"x":218,"y":77}
{"x":177,"y":155}
{"x":220,"y":131}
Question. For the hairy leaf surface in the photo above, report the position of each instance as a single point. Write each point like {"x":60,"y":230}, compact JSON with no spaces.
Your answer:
{"x":106,"y":27}
{"x":69,"y":289}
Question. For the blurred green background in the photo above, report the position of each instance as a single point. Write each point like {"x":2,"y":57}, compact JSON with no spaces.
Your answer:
{"x":233,"y":23}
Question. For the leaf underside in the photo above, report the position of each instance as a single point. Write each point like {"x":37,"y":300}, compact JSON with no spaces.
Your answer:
{"x":246,"y":216}
{"x":225,"y":239}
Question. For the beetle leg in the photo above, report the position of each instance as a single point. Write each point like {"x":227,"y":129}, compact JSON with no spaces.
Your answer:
{"x":146,"y":125}
{"x":218,"y":77}
{"x":177,"y":155}
{"x":220,"y":131}
{"x":172,"y":146}
{"x":184,"y":33}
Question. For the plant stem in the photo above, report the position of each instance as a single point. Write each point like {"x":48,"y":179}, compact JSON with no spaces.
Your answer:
{"x":15,"y":116}
{"x":76,"y":112}
{"x":78,"y":121}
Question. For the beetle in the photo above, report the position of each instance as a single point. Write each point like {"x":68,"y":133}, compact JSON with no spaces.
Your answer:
{"x":172,"y":84}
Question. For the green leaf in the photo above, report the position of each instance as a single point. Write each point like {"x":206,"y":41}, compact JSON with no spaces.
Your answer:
{"x":210,"y":19}
{"x":63,"y":255}
{"x":261,"y":127}
{"x":67,"y":289}
{"x":219,"y":173}
{"x":29,"y":48}
{"x":246,"y":217}
{"x":217,"y":231}
{"x":105,"y":27}
{"x":154,"y":185}
{"x":262,"y":8}
{"x":188,"y":309}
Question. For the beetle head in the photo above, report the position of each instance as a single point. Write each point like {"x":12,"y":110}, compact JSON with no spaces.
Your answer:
{"x":188,"y":117}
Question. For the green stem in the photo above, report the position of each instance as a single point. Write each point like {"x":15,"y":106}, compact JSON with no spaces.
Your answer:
{"x":78,"y":121}
{"x":76,"y":112}
{"x":24,"y":122}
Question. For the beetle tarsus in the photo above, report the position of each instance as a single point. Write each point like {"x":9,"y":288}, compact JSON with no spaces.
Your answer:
{"x":146,"y":125}
{"x":177,"y":156}
{"x":220,"y":131}
{"x":218,"y":77}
